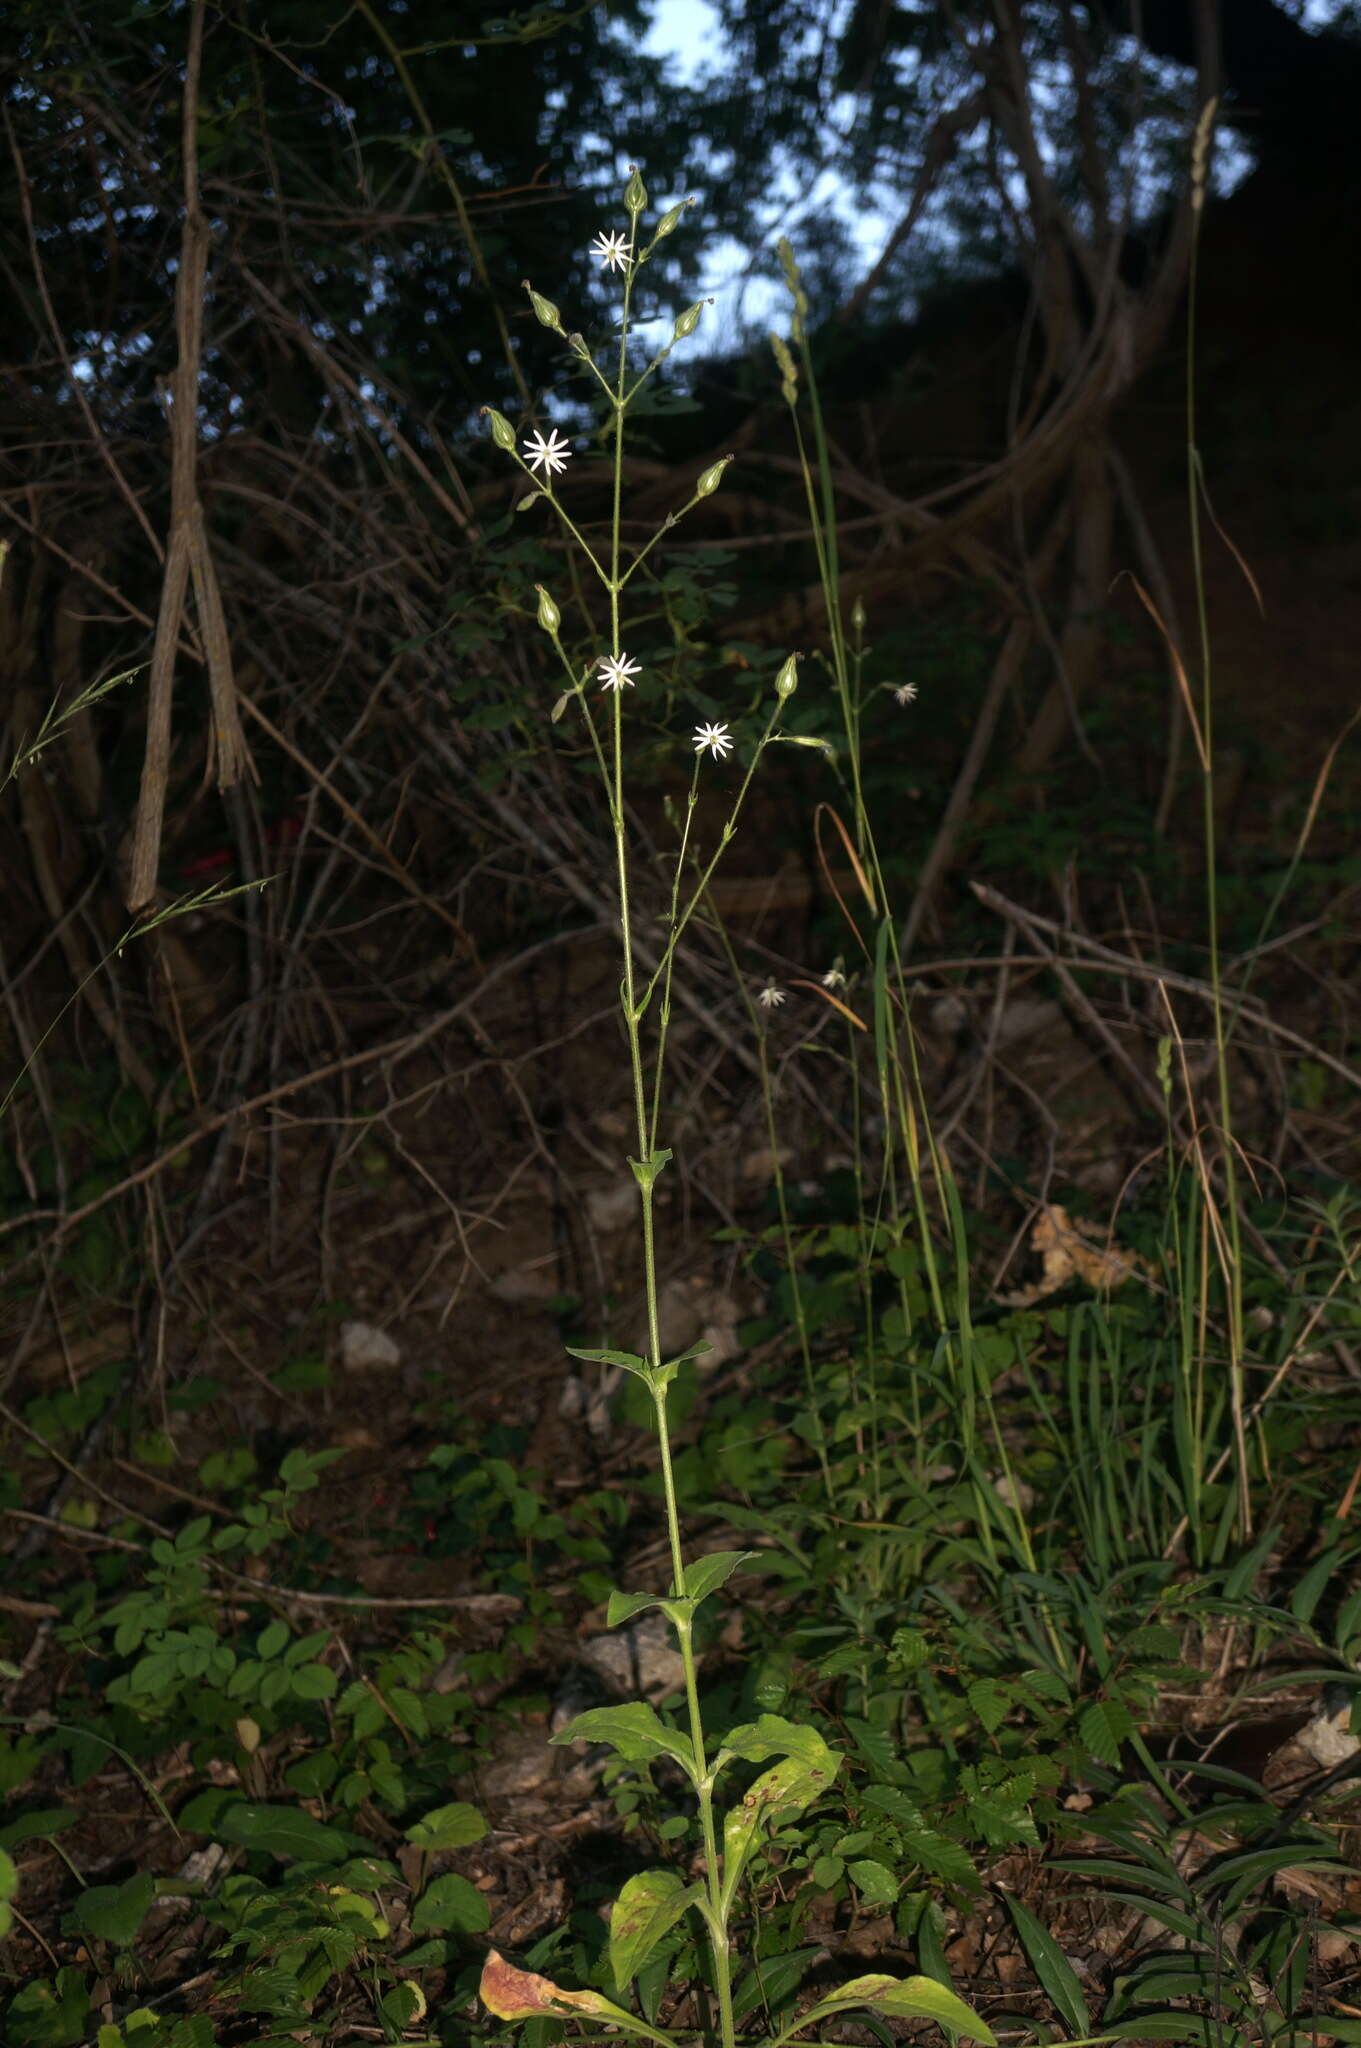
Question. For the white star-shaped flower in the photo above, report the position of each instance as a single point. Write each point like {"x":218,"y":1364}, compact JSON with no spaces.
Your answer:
{"x":713,"y":739}
{"x":551,"y":454}
{"x":611,"y":251}
{"x":906,"y":693}
{"x":834,"y":978}
{"x":771,"y":997}
{"x":616,"y":670}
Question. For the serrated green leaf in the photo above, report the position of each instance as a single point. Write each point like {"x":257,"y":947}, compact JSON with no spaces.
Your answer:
{"x":990,"y":1702}
{"x":876,"y":1747}
{"x":1104,"y":1726}
{"x":941,"y":1857}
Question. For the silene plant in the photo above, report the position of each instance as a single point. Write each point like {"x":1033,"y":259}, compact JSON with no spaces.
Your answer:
{"x":794,"y":1766}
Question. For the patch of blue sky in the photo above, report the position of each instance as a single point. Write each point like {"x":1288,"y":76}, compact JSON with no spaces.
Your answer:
{"x":688,"y":35}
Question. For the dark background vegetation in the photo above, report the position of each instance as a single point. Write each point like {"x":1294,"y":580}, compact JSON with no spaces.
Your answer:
{"x":262,"y":268}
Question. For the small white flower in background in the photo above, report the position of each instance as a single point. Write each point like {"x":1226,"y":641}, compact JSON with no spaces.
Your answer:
{"x":906,"y":693}
{"x":834,"y":978}
{"x":771,"y":997}
{"x":713,"y":739}
{"x":551,"y":454}
{"x":616,"y":670}
{"x":611,"y":250}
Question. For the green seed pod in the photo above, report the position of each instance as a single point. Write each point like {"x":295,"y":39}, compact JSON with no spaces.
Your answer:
{"x":550,"y":618}
{"x":689,"y":320}
{"x":787,"y":681}
{"x":544,"y":310}
{"x":635,"y":192}
{"x":712,"y":477}
{"x":502,"y":432}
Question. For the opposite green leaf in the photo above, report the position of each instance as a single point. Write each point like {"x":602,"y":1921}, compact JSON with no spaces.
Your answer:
{"x":635,"y":1731}
{"x":707,"y":1574}
{"x":644,"y":1913}
{"x":771,"y":1735}
{"x":903,"y":1998}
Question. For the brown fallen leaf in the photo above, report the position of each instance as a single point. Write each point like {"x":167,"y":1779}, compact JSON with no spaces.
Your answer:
{"x":1071,"y":1251}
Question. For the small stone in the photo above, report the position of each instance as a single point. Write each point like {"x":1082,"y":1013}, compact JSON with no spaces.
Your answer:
{"x":613,"y":1208}
{"x":639,"y":1658}
{"x":526,"y":1285}
{"x":1328,"y":1738}
{"x":761,"y":1163}
{"x":362,"y":1348}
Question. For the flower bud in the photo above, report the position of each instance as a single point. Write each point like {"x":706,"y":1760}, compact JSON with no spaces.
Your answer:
{"x":635,"y":192}
{"x":787,"y":681}
{"x":502,"y":432}
{"x":550,"y":618}
{"x":858,"y":615}
{"x":544,"y":310}
{"x":579,"y":347}
{"x":669,"y":220}
{"x":689,"y":320}
{"x":712,"y":477}
{"x":564,"y":700}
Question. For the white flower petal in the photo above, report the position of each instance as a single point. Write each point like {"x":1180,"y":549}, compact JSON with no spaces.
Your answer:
{"x":713,"y":739}
{"x":611,"y":251}
{"x":551,"y":455}
{"x":616,"y":670}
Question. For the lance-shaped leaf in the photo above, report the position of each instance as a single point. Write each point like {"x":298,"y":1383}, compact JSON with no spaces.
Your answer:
{"x":627,"y":1361}
{"x":635,"y":1731}
{"x":782,"y":1791}
{"x":771,"y":1735}
{"x":644,"y":1913}
{"x":899,"y":1998}
{"x":706,"y":1574}
{"x":623,"y":1607}
{"x":523,"y":1995}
